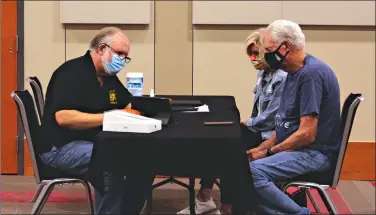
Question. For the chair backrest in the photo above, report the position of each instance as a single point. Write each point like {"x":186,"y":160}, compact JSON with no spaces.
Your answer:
{"x":347,"y":118}
{"x":29,"y":119}
{"x":36,"y":86}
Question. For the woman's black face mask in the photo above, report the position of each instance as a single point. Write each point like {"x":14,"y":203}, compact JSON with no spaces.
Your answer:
{"x":274,"y":59}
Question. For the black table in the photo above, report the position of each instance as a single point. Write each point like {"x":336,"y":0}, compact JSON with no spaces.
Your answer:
{"x":187,"y":149}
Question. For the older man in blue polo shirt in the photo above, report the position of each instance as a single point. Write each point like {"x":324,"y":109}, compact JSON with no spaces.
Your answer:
{"x":306,"y":138}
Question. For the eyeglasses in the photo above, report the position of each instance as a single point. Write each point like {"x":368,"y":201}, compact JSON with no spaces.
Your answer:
{"x":121,"y":55}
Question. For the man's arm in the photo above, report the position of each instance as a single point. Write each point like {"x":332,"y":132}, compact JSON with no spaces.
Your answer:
{"x":78,"y":120}
{"x":64,"y":102}
{"x":303,"y":137}
{"x":269,"y":143}
{"x":309,"y":103}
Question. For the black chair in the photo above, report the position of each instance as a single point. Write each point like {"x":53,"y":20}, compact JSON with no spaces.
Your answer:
{"x":46,"y":176}
{"x":36,"y":86}
{"x":329,"y":179}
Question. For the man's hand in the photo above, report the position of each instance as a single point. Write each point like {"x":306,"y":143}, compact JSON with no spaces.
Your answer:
{"x":262,"y":150}
{"x":256,"y":153}
{"x":132,"y":111}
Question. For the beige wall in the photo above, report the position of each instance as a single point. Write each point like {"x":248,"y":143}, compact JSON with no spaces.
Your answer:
{"x":44,"y":39}
{"x":121,"y":12}
{"x":264,"y":12}
{"x":355,"y":70}
{"x":173,"y":47}
{"x":219,"y":65}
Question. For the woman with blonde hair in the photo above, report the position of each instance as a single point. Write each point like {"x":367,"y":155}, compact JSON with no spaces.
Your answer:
{"x":267,"y":93}
{"x":257,"y":128}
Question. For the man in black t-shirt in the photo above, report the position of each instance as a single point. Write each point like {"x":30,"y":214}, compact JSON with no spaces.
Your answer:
{"x":78,"y":94}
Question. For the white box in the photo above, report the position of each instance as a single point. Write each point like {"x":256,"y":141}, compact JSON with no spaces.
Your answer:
{"x":120,"y":121}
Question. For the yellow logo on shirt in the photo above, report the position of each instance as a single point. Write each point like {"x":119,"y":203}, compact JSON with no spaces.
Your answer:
{"x":112,"y":95}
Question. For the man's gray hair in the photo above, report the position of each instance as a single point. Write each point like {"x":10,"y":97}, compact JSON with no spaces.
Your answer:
{"x":285,"y":30}
{"x":104,"y":36}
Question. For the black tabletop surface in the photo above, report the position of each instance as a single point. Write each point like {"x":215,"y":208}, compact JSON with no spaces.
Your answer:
{"x":187,"y":148}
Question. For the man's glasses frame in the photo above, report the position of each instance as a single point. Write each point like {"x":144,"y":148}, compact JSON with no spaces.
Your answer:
{"x":120,"y":54}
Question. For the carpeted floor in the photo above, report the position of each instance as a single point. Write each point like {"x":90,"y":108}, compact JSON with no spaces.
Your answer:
{"x":351,"y":197}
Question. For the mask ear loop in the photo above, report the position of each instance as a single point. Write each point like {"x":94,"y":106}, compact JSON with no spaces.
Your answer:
{"x":104,"y":58}
{"x":287,"y":47}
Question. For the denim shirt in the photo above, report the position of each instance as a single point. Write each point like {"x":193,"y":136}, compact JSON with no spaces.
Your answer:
{"x":268,"y":99}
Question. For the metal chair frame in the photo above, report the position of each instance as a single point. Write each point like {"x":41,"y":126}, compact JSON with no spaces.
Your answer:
{"x":36,"y":86}
{"x":323,"y":188}
{"x":45,"y":186}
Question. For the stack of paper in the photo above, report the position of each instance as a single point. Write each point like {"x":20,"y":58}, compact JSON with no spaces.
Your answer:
{"x":120,"y":121}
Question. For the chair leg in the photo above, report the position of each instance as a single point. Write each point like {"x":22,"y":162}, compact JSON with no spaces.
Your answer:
{"x":48,"y":187}
{"x":149,"y":202}
{"x":192,"y":202}
{"x":323,"y":191}
{"x":314,"y":203}
{"x":42,"y":198}
{"x":36,"y":195}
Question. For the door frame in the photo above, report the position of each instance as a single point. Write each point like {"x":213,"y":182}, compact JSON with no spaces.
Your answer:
{"x":20,"y":84}
{"x":0,"y":82}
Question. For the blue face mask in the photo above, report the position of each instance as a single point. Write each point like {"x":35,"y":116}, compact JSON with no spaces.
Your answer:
{"x":114,"y":66}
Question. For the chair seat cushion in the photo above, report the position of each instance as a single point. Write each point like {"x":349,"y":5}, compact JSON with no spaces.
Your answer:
{"x":322,"y":178}
{"x":48,"y":172}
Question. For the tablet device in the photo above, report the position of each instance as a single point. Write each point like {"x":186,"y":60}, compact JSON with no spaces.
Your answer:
{"x":183,"y":108}
{"x":185,"y":102}
{"x":154,"y":107}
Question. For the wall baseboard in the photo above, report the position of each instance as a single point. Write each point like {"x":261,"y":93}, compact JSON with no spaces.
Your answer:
{"x":359,"y":163}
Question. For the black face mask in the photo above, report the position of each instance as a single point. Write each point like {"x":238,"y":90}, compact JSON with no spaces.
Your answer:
{"x":275,"y":59}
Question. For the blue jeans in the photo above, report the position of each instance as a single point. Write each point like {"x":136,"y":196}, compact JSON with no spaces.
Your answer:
{"x":120,"y":196}
{"x":281,"y":166}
